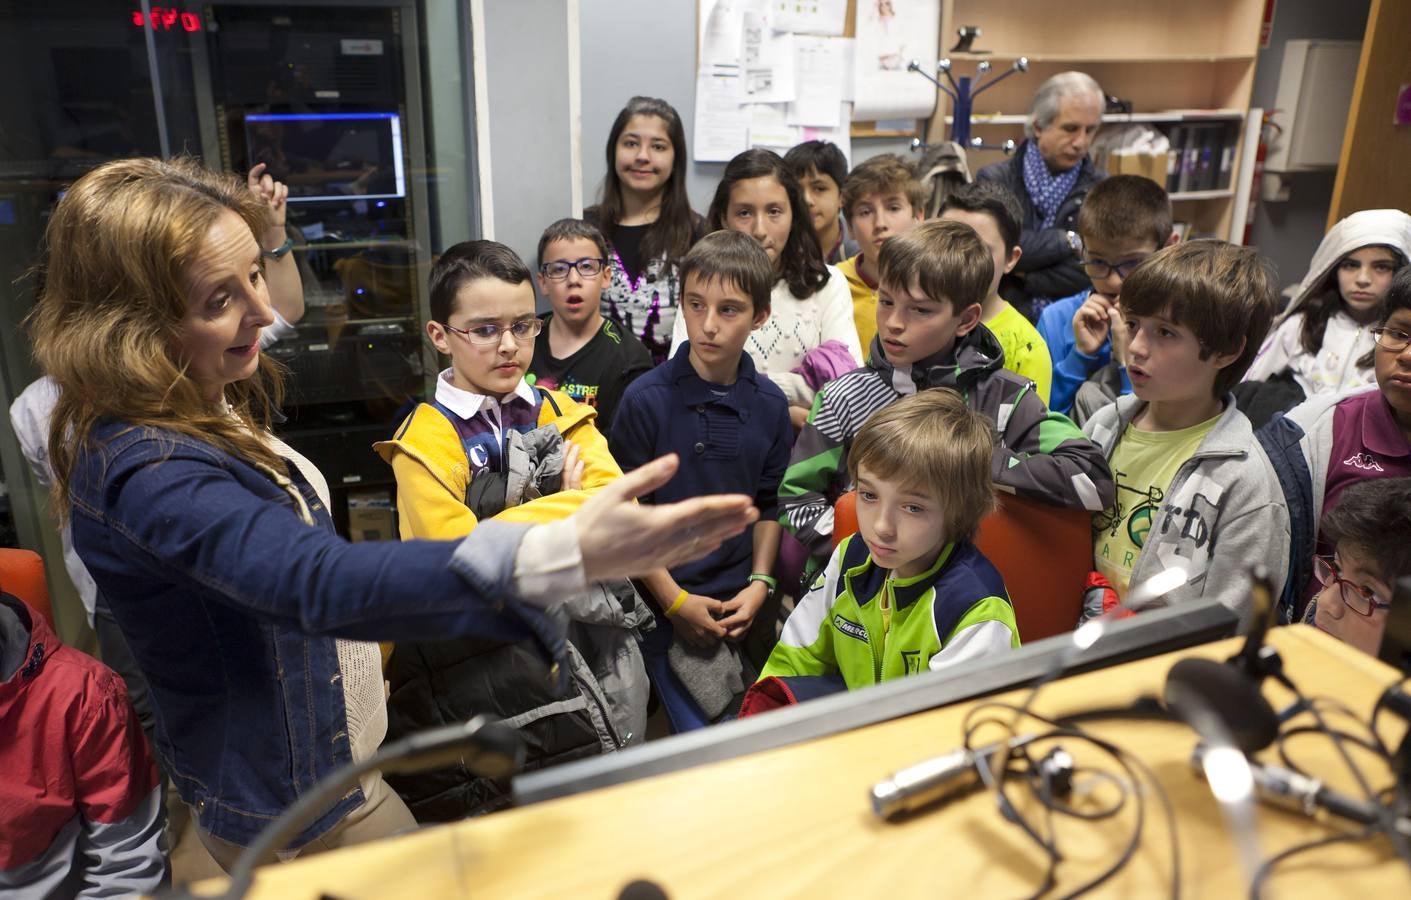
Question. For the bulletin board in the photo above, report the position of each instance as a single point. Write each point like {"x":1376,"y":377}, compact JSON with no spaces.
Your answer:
{"x":773,"y":73}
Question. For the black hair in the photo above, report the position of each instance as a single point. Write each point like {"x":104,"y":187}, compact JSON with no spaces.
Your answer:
{"x":1325,"y":299}
{"x":994,"y":200}
{"x":822,"y":157}
{"x":735,"y":258}
{"x":1374,"y":516}
{"x":1398,"y":296}
{"x":568,"y":230}
{"x":670,"y":235}
{"x":468,"y":261}
{"x":801,"y":258}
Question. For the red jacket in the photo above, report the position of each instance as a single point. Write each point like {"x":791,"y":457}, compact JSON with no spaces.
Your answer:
{"x":80,"y":799}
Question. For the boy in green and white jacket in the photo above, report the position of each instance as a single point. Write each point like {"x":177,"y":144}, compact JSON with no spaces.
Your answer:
{"x":908,"y":592}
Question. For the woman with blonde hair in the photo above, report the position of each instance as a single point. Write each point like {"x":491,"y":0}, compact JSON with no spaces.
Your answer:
{"x":211,"y":540}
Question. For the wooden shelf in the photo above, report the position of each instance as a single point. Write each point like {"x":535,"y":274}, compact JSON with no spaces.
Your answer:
{"x":1103,"y":57}
{"x":1174,"y":115}
{"x":1202,"y":195}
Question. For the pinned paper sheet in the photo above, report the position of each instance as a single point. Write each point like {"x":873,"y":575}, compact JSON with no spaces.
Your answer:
{"x":810,"y":16}
{"x":890,"y":34}
{"x":819,"y":94}
{"x":768,"y":59}
{"x":722,"y":124}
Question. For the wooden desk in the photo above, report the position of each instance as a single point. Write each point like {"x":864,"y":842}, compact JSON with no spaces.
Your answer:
{"x":797,"y":821}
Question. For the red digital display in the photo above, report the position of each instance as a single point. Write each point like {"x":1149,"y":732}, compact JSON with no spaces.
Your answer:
{"x":167,"y":19}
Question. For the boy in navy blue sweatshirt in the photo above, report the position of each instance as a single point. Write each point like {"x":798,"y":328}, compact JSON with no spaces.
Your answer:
{"x":731,"y":429}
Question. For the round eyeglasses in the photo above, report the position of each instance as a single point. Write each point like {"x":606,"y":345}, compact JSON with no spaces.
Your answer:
{"x":1354,"y":596}
{"x":522,"y":331}
{"x":588,"y":267}
{"x":1101,"y":268}
{"x":1392,"y":340}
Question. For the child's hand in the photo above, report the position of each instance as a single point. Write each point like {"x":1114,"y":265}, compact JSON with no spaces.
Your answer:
{"x":741,"y":609}
{"x":572,"y":468}
{"x":798,"y":416}
{"x":1092,"y":323}
{"x":274,"y":193}
{"x":1120,"y":337}
{"x":696,"y":620}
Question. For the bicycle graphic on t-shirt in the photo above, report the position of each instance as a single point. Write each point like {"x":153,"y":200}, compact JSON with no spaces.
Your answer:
{"x":1140,"y":517}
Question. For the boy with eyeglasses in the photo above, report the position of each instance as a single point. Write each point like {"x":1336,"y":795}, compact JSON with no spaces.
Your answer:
{"x":491,"y":444}
{"x":1327,"y":444}
{"x":1370,"y":532}
{"x":580,"y":352}
{"x":1124,"y":219}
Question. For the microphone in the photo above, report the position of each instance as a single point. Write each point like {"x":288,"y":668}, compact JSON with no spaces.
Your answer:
{"x":1291,"y":790}
{"x":642,"y":889}
{"x":1195,"y":687}
{"x":930,"y":780}
{"x":483,"y":745}
{"x":1255,"y":659}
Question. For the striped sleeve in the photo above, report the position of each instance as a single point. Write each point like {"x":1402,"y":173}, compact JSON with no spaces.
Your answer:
{"x":1041,"y":454}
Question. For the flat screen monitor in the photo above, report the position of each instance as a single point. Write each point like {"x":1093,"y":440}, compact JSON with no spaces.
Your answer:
{"x":327,"y":157}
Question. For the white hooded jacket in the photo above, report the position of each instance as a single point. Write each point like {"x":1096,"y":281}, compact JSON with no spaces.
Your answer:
{"x":1333,"y":369}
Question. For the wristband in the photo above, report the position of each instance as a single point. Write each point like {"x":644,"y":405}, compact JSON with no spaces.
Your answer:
{"x":676,"y":604}
{"x":769,"y":581}
{"x":280,"y":251}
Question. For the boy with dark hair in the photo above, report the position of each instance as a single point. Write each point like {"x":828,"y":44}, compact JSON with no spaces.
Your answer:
{"x":1327,"y":444}
{"x":590,"y":358}
{"x":1194,"y":490}
{"x":1124,"y":219}
{"x":730,"y":427}
{"x":1370,"y":536}
{"x":933,"y":281}
{"x":491,"y":445}
{"x":881,"y":198}
{"x":990,"y":209}
{"x":908,"y":592}
{"x":821,"y":170}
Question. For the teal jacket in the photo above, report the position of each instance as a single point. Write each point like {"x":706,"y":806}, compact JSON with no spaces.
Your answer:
{"x":955,"y":611}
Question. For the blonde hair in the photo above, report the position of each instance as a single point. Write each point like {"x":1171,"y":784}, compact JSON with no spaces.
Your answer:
{"x":112,"y":295}
{"x":932,"y":442}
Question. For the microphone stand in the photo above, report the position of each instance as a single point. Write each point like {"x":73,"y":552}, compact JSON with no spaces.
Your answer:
{"x":484,"y":745}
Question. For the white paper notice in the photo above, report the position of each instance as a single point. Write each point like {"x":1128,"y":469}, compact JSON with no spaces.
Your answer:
{"x":891,"y":33}
{"x":769,"y":129}
{"x":768,"y":58}
{"x":810,"y":16}
{"x":722,"y":125}
{"x":818,"y":81}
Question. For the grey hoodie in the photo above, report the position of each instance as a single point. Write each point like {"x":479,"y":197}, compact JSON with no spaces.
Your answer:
{"x":1223,"y":513}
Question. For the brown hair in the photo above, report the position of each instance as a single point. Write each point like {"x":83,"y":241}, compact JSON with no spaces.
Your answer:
{"x":931,"y":441}
{"x":1225,"y":294}
{"x":466,"y":262}
{"x":735,"y":258}
{"x":946,"y":257}
{"x":111,"y":301}
{"x":1124,"y":208}
{"x":884,"y":174}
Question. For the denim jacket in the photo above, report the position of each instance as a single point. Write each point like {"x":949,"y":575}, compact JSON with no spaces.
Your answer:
{"x":231,"y":601}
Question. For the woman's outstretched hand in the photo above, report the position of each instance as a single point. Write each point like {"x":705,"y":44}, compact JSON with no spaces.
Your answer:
{"x":620,"y":538}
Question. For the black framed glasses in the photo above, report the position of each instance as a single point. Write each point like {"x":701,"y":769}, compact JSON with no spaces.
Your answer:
{"x":523,"y":331}
{"x":1101,"y":268}
{"x":1354,"y":596}
{"x":1392,"y":340}
{"x":588,"y":267}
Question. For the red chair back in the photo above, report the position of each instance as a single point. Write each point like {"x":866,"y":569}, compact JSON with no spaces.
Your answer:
{"x":1043,"y":552}
{"x":22,"y":575}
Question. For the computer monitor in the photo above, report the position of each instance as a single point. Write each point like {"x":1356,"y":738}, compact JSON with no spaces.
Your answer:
{"x":330,"y":157}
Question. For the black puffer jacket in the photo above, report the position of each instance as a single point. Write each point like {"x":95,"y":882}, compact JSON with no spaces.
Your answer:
{"x":1049,"y":267}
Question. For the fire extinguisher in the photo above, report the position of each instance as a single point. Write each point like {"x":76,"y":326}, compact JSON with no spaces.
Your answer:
{"x":1267,"y":129}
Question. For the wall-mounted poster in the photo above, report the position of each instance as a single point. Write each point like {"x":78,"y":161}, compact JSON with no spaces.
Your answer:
{"x":889,"y":35}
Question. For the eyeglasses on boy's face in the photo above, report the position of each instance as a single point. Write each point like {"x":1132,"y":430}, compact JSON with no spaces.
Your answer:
{"x":1392,"y":340}
{"x":1101,"y":268}
{"x":522,"y":331}
{"x":588,"y":267}
{"x":1355,"y":597}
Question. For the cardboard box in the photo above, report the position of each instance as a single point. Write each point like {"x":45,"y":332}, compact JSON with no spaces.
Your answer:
{"x":1147,"y":165}
{"x":371,"y":516}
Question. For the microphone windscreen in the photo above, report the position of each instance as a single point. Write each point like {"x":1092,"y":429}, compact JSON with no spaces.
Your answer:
{"x":642,"y":889}
{"x":1231,"y":695}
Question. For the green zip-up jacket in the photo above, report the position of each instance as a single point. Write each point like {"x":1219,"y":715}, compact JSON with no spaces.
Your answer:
{"x":1038,"y":453}
{"x":954,"y":612}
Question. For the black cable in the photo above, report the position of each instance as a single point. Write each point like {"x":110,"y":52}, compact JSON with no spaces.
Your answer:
{"x":1266,"y":868}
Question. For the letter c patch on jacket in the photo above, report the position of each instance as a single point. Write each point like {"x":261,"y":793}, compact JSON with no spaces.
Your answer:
{"x":849,"y":628}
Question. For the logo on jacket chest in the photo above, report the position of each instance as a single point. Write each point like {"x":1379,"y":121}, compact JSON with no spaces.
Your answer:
{"x":1364,"y":461}
{"x":850,"y":628}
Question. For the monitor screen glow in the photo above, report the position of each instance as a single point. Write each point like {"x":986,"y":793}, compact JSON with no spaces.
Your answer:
{"x":327,"y":157}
